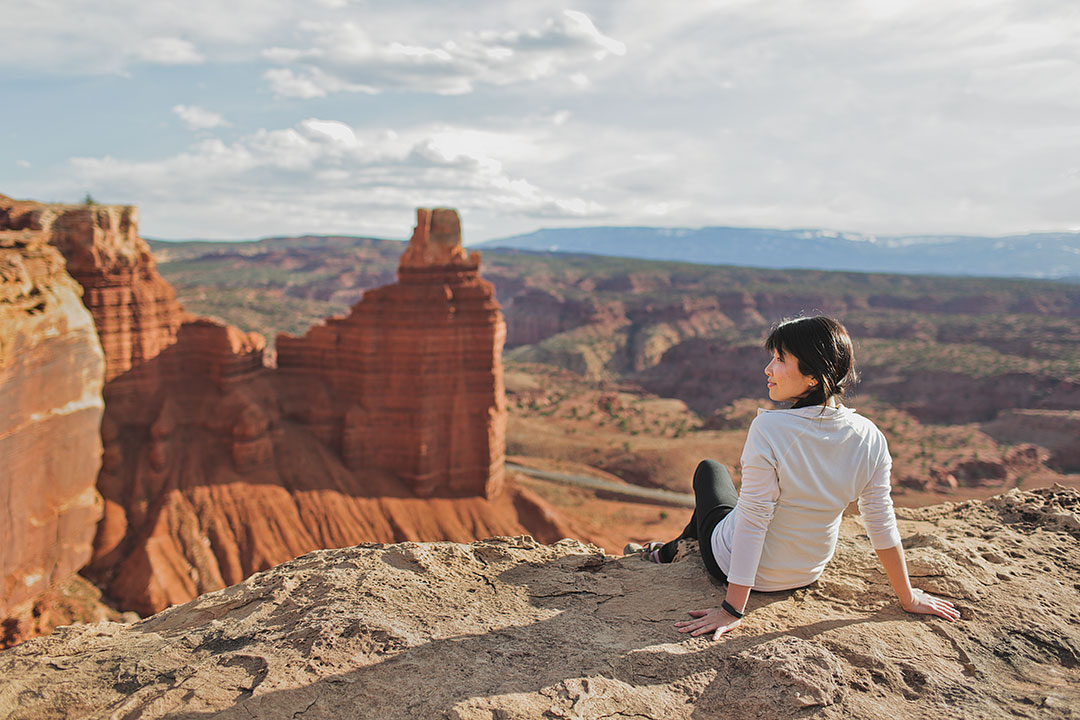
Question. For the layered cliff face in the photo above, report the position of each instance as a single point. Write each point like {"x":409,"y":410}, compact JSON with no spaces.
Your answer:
{"x":508,"y":628}
{"x":214,"y":466}
{"x":152,"y":362}
{"x":533,"y":314}
{"x":134,"y":309}
{"x":414,"y":373}
{"x":51,"y":374}
{"x":174,"y":423}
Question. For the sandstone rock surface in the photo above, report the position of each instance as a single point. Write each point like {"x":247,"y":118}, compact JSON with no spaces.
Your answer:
{"x":508,"y":628}
{"x":51,"y":374}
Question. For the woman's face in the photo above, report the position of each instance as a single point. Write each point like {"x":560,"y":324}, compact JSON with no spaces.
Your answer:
{"x":786,"y":383}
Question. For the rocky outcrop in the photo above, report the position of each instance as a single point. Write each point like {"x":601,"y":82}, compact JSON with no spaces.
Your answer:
{"x":51,"y":372}
{"x":135,"y":311}
{"x":215,"y":467}
{"x":509,"y":628}
{"x":414,"y":373}
{"x":1056,"y":430}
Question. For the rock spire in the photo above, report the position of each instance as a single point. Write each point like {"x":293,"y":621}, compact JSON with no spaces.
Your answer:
{"x":416,"y":369}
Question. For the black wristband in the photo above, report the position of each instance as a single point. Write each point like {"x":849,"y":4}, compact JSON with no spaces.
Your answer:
{"x":726,"y":607}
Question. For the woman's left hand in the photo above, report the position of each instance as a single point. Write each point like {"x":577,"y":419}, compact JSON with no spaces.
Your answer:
{"x":713,"y":619}
{"x":926,"y":604}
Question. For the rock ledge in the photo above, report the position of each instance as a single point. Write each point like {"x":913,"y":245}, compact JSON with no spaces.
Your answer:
{"x":510,"y":628}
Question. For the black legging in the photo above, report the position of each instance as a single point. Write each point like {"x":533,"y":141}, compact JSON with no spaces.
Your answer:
{"x":714,"y":498}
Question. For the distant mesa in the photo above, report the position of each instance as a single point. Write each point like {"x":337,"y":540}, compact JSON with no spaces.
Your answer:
{"x":1036,"y":255}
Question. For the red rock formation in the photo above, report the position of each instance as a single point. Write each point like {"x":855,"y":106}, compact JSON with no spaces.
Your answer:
{"x":384,"y":426}
{"x":215,"y":467}
{"x":159,"y":371}
{"x":415,"y":371}
{"x":51,"y":372}
{"x":135,"y":310}
{"x":201,"y":516}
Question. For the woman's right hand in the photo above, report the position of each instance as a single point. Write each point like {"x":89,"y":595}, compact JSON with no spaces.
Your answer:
{"x":923,"y":603}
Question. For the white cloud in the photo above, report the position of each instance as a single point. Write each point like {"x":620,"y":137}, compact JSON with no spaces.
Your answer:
{"x":312,"y":83}
{"x":343,"y":57}
{"x":583,"y":25}
{"x":199,"y":118}
{"x":332,"y":131}
{"x":285,"y":83}
{"x":23,"y":163}
{"x":873,"y":115}
{"x":168,"y":51}
{"x":81,"y":37}
{"x":328,"y":176}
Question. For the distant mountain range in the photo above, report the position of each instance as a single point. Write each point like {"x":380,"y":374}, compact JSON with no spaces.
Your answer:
{"x":1052,"y":256}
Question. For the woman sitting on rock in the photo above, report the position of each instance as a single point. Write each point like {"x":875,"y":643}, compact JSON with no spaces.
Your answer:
{"x":801,"y":467}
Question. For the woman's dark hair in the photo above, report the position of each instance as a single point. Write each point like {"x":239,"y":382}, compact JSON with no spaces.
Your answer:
{"x":823,"y":348}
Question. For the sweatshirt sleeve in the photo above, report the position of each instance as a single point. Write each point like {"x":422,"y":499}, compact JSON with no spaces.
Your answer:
{"x":876,"y":507}
{"x":758,"y":495}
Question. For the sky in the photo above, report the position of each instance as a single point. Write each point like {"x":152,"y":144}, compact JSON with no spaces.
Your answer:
{"x":250,"y":118}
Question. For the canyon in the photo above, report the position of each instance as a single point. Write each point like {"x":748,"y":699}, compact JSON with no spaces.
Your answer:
{"x":663,"y":361}
{"x":386,"y":425}
{"x":372,"y":407}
